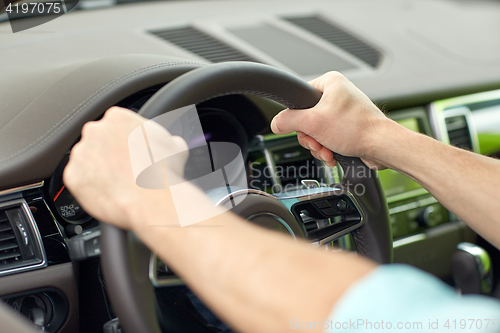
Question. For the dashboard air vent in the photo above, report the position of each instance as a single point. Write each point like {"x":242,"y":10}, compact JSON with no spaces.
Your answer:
{"x":292,"y":173}
{"x":294,"y":164}
{"x":9,"y":249}
{"x":202,"y":44}
{"x":339,"y":37}
{"x":458,"y":132}
{"x":20,"y":245}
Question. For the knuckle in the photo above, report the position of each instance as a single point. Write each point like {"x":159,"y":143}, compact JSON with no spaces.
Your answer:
{"x":113,"y":111}
{"x":335,"y":76}
{"x":89,"y":128}
{"x":337,"y":82}
{"x":339,"y":93}
{"x":112,"y":115}
{"x":75,"y":151}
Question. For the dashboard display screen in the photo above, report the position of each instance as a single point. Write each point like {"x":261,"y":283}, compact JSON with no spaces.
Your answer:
{"x":393,"y":182}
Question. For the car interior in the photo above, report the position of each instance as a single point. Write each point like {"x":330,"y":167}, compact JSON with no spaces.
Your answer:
{"x":433,"y":66}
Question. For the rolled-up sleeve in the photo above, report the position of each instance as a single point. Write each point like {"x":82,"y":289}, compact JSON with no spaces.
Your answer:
{"x":400,"y":298}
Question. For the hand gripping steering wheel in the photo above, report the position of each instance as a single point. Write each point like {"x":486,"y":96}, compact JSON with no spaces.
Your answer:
{"x":126,"y":260}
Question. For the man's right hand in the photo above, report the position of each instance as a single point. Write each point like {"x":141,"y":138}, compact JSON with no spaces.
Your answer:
{"x":347,"y":122}
{"x":344,"y":121}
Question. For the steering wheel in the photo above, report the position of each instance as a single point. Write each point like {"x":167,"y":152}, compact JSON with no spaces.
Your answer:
{"x":126,"y":260}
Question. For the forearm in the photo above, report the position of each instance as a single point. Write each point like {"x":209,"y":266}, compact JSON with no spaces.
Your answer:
{"x":254,"y":279}
{"x":462,"y":181}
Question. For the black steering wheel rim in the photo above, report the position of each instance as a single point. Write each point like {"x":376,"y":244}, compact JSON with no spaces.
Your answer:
{"x":126,"y":260}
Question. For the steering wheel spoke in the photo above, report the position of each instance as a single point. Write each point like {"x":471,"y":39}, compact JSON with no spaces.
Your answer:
{"x":326,"y":213}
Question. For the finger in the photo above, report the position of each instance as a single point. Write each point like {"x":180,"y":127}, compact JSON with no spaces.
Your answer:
{"x":124,"y":117}
{"x":308,"y":142}
{"x":89,"y":129}
{"x":321,"y":82}
{"x":331,"y":164}
{"x":311,"y":144}
{"x":119,"y":110}
{"x":300,"y":138}
{"x":115,"y":111}
{"x":301,"y":134}
{"x":288,"y":121}
{"x":326,"y":154}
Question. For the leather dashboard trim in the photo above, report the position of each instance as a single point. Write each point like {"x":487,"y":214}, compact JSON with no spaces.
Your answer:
{"x":52,"y":122}
{"x":61,"y":277}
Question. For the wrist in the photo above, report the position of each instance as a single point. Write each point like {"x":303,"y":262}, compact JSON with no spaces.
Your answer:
{"x":386,"y":143}
{"x":160,"y":207}
{"x":139,"y":209}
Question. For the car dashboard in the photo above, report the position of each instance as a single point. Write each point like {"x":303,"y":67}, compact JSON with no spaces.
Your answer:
{"x":433,"y":66}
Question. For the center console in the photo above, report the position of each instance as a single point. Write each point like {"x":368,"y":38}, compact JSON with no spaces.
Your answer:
{"x":412,"y":209}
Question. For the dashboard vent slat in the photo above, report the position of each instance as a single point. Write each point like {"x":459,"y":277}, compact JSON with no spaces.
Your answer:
{"x":5,"y":227}
{"x":19,"y":249}
{"x":6,"y":236}
{"x":202,"y":44}
{"x":8,"y":245}
{"x":458,"y":132}
{"x":339,"y":37}
{"x":8,"y":256}
{"x":9,"y":249}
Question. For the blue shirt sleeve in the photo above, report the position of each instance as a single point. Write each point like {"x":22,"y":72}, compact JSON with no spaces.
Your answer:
{"x":400,"y":298}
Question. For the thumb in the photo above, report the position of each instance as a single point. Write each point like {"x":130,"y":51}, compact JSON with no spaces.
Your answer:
{"x":288,"y":121}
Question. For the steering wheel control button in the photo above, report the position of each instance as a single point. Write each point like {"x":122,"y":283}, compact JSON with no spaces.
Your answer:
{"x":93,"y":247}
{"x":327,"y":218}
{"x":354,"y":217}
{"x":310,"y":225}
{"x":321,"y":204}
{"x":85,"y":245}
{"x":310,"y":183}
{"x":329,"y":212}
{"x":73,"y":230}
{"x":342,"y":205}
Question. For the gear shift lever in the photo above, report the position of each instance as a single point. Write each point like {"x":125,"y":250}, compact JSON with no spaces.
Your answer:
{"x":471,"y":269}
